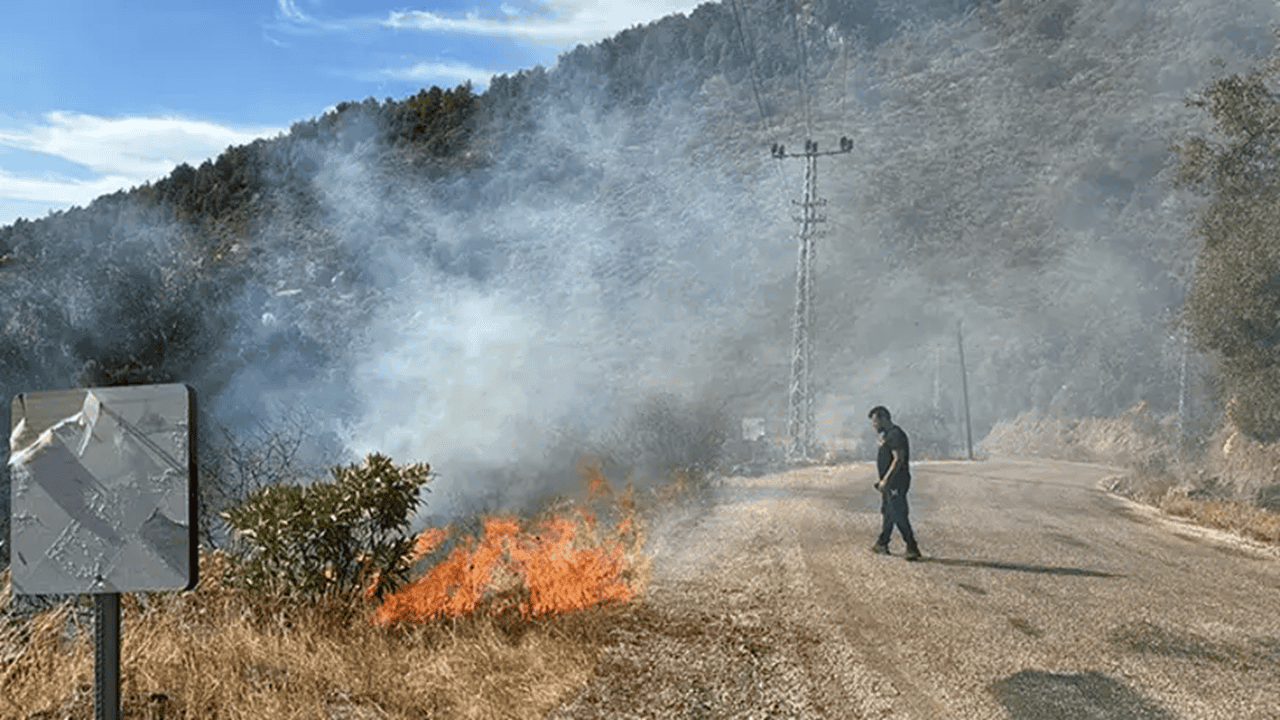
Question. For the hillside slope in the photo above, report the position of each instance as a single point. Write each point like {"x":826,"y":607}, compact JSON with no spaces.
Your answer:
{"x":493,"y":283}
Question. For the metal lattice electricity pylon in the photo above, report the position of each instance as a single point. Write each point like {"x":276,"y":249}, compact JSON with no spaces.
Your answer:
{"x":800,"y":422}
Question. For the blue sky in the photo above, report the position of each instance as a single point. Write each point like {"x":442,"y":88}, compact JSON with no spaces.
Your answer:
{"x":102,"y":95}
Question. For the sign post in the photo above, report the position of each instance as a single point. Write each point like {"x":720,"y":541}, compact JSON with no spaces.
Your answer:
{"x":103,"y":489}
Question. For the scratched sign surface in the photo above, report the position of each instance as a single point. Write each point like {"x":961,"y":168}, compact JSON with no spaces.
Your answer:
{"x":103,"y":490}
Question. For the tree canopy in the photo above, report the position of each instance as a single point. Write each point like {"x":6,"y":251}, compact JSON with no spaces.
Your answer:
{"x":1233,"y":308}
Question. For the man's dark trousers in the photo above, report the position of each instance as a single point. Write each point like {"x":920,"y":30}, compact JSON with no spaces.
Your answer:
{"x":893,"y":507}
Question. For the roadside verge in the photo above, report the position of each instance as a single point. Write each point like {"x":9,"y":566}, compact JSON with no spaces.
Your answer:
{"x":1221,"y":522}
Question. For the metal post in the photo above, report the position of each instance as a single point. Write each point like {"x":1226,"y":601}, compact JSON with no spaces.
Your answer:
{"x":1182,"y":398}
{"x":804,"y":342}
{"x":106,"y":656}
{"x":799,"y":411}
{"x":964,"y":385}
{"x":800,"y":401}
{"x":937,"y":380}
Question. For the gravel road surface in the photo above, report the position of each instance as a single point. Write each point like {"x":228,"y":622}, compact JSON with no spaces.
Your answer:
{"x":1041,"y":596}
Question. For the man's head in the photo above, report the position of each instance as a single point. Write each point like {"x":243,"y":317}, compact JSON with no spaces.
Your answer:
{"x":880,"y":418}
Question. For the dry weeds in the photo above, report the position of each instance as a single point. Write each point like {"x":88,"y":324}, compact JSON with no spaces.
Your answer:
{"x":1243,"y":519}
{"x":216,"y":652}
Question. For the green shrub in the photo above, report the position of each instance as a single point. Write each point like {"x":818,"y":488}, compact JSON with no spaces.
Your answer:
{"x":332,"y":536}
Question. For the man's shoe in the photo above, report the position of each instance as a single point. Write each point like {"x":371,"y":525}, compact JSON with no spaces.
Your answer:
{"x":913,"y":555}
{"x":880,"y":549}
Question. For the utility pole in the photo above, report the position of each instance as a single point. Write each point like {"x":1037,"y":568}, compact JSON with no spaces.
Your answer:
{"x":964,"y":385}
{"x":937,"y":381}
{"x":1182,"y":398}
{"x":800,"y":422}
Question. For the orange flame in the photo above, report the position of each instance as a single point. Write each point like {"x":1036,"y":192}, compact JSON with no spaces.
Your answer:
{"x":454,"y":587}
{"x":627,"y":503}
{"x":597,"y":486}
{"x":556,"y":573}
{"x":561,"y":578}
{"x":426,"y":541}
{"x":588,"y":519}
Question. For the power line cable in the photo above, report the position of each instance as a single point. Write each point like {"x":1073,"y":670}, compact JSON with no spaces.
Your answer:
{"x":748,"y":46}
{"x":801,"y":48}
{"x":749,"y":49}
{"x":844,"y":86}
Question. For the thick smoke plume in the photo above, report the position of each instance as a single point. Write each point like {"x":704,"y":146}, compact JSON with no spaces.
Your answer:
{"x":615,"y":277}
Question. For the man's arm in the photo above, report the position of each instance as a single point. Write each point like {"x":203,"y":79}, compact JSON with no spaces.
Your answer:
{"x":884,"y":481}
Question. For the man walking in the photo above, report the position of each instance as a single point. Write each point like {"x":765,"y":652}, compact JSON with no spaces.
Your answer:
{"x":894,"y":479}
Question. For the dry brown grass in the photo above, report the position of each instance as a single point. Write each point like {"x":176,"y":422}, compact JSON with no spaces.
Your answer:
{"x":216,"y":652}
{"x":1240,"y":518}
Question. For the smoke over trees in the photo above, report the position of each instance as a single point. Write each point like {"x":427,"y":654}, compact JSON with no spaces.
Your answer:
{"x":459,"y":272}
{"x":1234,"y":304}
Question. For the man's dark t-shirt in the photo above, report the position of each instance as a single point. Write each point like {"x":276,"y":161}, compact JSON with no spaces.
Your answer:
{"x":895,"y":439}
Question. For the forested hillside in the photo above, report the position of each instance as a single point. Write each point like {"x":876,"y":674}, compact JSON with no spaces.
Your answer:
{"x":494,"y":282}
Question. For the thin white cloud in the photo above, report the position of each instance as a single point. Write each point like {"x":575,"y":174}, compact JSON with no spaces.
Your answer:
{"x":291,"y":18}
{"x":550,"y":21}
{"x":58,"y":189}
{"x":437,"y":73}
{"x":274,"y":41}
{"x":290,"y":11}
{"x":129,"y":146}
{"x":554,"y":22}
{"x":121,"y":152}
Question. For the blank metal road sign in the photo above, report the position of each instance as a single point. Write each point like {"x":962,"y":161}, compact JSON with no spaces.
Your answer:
{"x":103,"y":490}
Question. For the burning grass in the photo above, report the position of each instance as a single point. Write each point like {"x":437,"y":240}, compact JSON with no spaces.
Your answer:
{"x":503,"y":627}
{"x":555,"y":568}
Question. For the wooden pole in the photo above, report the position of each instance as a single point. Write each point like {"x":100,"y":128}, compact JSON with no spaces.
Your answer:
{"x":964,"y":385}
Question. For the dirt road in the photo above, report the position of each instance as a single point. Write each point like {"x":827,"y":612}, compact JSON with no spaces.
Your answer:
{"x":1040,"y":597}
